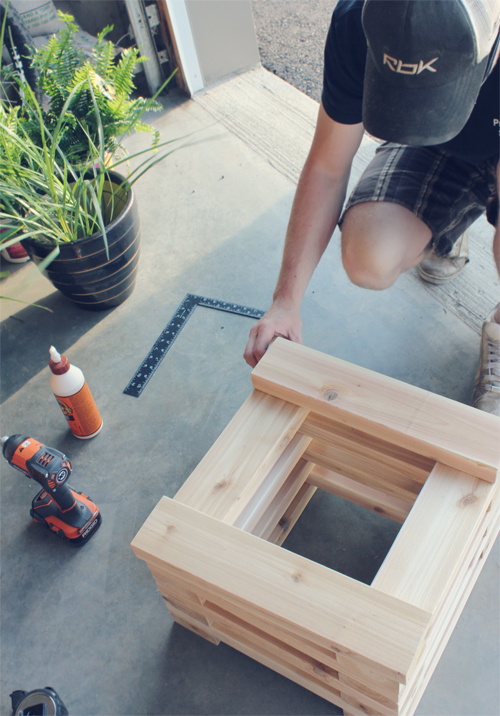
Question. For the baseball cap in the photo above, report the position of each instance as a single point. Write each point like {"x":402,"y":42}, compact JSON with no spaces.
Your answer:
{"x":425,"y":64}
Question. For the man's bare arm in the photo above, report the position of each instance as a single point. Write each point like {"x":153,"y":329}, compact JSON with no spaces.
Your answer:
{"x":315,"y":212}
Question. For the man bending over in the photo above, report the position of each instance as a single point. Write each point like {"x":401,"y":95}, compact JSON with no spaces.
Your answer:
{"x":422,"y":75}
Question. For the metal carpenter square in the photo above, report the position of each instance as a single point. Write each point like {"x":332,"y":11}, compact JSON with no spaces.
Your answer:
{"x":229,"y":307}
{"x":164,"y":341}
{"x":161,"y":346}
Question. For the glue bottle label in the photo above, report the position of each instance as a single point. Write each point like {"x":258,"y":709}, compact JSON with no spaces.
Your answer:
{"x":81,"y":412}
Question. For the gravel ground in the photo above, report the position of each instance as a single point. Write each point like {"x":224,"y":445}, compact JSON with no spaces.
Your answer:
{"x":291,"y":36}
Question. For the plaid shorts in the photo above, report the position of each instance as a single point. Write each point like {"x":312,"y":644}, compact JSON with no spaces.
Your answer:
{"x":448,"y":194}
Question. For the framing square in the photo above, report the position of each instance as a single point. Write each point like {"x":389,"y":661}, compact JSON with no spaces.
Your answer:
{"x":315,"y":421}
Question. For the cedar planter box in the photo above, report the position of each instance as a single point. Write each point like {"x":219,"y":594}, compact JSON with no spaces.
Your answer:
{"x":317,"y":422}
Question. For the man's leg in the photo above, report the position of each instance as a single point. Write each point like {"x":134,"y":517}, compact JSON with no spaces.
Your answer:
{"x":439,"y":269}
{"x":380,"y":240}
{"x":410,"y":201}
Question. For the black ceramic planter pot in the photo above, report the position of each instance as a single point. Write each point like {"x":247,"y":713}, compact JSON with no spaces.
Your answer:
{"x":82,"y":271}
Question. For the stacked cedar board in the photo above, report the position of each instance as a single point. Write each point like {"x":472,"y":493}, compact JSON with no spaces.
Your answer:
{"x":317,"y":422}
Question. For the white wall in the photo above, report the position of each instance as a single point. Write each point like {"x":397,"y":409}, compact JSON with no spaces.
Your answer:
{"x":215,"y":39}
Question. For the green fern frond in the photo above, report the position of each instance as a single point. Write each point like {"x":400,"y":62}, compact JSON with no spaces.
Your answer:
{"x":103,"y":53}
{"x":58,"y":60}
{"x":142,"y":127}
{"x":123,"y":78}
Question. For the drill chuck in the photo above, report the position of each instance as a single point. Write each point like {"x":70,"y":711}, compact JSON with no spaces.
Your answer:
{"x":10,"y":445}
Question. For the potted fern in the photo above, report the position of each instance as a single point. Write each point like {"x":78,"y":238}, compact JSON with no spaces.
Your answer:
{"x":61,"y":189}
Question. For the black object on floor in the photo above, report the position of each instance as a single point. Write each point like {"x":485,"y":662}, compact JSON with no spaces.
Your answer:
{"x":40,"y":701}
{"x":164,"y":341}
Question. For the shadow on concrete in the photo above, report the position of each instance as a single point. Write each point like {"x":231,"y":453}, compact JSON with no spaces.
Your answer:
{"x":26,"y":336}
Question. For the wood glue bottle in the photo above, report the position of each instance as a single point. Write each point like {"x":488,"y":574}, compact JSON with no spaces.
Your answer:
{"x":74,"y":397}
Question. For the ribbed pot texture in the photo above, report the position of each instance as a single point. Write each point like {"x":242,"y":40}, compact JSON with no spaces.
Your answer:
{"x":82,"y":271}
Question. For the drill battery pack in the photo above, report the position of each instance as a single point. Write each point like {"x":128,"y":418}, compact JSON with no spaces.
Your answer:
{"x":46,"y":512}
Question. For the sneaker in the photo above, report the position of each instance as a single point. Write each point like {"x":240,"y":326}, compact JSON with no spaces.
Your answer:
{"x":15,"y":254}
{"x":486,"y":392}
{"x":440,"y":269}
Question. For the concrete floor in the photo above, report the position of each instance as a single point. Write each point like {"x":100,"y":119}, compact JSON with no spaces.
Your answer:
{"x":90,"y":622}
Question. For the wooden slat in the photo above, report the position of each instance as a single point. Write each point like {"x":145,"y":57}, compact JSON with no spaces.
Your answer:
{"x":394,"y":508}
{"x":352,"y":670}
{"x":280,"y":503}
{"x":192,"y":610}
{"x":431,"y":425}
{"x":434,"y":540}
{"x":329,"y":608}
{"x":374,"y":475}
{"x":171,"y":589}
{"x":238,"y":462}
{"x":368,"y":449}
{"x":321,"y":655}
{"x":292,"y":514}
{"x":195,"y":625}
{"x":270,"y":486}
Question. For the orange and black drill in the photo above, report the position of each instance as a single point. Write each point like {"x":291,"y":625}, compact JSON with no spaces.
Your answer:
{"x":70,"y":514}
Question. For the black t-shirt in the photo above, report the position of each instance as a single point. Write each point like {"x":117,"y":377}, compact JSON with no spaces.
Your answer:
{"x":345,"y":58}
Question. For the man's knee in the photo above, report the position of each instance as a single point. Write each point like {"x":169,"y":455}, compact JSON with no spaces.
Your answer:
{"x":364,"y":255}
{"x":365,"y":270}
{"x":379,"y":241}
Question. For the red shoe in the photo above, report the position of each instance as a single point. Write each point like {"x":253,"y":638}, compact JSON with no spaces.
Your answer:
{"x":15,"y":254}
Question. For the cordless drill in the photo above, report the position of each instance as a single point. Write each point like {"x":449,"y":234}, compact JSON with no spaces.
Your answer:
{"x":70,"y":514}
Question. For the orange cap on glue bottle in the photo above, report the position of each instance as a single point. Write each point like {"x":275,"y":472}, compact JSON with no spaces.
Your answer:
{"x":71,"y":391}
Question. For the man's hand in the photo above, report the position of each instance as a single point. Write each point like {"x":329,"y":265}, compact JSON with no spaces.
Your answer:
{"x":315,"y":212}
{"x":278,"y":321}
